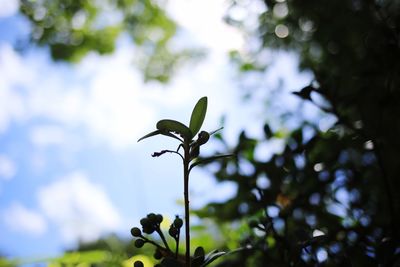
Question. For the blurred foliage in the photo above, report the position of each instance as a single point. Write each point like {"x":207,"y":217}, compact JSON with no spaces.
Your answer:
{"x":105,"y":252}
{"x":73,"y":28}
{"x":330,"y":198}
{"x":4,"y":262}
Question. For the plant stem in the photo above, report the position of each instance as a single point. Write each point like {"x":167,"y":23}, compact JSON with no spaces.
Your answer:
{"x":186,"y":162}
{"x":177,"y":247}
{"x":160,"y":233}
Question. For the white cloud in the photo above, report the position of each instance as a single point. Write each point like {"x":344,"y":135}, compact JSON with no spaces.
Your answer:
{"x":115,"y":109}
{"x":106,"y":95}
{"x":21,"y":219}
{"x":8,"y":168}
{"x":13,"y":74}
{"x":79,"y":208}
{"x":47,"y":135}
{"x":8,"y":7}
{"x":211,"y":31}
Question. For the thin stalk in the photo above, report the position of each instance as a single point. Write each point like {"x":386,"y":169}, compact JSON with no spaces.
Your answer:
{"x":177,"y":247}
{"x":155,"y":244}
{"x":186,"y":162}
{"x":160,"y":233}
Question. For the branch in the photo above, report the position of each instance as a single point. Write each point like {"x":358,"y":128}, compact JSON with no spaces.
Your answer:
{"x":157,"y":154}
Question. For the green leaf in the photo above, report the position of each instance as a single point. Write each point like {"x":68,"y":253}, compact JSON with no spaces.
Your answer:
{"x":210,"y":159}
{"x":198,"y":115}
{"x":156,"y":132}
{"x":215,"y":254}
{"x":212,"y":256}
{"x":176,"y":127}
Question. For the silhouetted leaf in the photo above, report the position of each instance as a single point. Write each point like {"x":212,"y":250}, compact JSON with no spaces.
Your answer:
{"x":212,"y":256}
{"x":198,"y":115}
{"x":210,"y":159}
{"x":198,"y":258}
{"x":156,"y":132}
{"x":175,"y":127}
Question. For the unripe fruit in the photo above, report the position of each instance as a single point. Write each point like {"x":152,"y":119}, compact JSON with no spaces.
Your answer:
{"x":157,"y":254}
{"x":173,"y":232}
{"x":138,"y":264}
{"x":139,"y":243}
{"x":145,"y":222}
{"x":178,"y":223}
{"x":136,"y":232}
{"x":159,"y":218}
{"x":148,"y":230}
{"x":152,"y":218}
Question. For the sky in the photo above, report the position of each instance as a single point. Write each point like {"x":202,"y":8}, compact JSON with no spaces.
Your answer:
{"x":70,"y":165}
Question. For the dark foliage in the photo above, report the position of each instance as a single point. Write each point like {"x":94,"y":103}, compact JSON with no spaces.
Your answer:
{"x":343,"y":182}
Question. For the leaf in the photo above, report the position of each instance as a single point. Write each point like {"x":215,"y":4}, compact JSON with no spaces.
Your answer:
{"x":198,"y":258}
{"x":210,"y":159}
{"x":198,"y":115}
{"x":176,"y":127}
{"x":216,"y":131}
{"x":215,"y":254}
{"x":199,"y":252}
{"x":156,"y":132}
{"x":212,"y":256}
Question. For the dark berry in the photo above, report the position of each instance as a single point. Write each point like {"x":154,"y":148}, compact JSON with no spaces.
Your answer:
{"x":136,"y":232}
{"x":138,"y":264}
{"x":139,"y":243}
{"x":157,"y":254}
{"x":178,"y":222}
{"x":159,"y":218}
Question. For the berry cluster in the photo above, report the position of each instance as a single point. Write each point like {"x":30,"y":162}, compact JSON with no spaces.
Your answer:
{"x":150,"y":224}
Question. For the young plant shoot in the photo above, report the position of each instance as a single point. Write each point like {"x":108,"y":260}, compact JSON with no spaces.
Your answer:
{"x":188,"y":149}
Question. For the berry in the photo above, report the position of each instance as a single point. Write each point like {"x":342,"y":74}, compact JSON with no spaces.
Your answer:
{"x":152,"y":218}
{"x":159,"y":218}
{"x":136,"y":232}
{"x":173,"y":232}
{"x":157,"y":254}
{"x":139,"y":243}
{"x":138,"y":264}
{"x":178,"y":222}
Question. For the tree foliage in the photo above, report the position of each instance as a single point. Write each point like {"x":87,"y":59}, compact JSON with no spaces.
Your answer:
{"x":343,"y":182}
{"x":71,"y":29}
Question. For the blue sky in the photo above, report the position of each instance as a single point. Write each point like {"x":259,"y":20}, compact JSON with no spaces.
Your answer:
{"x":70,"y":166}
